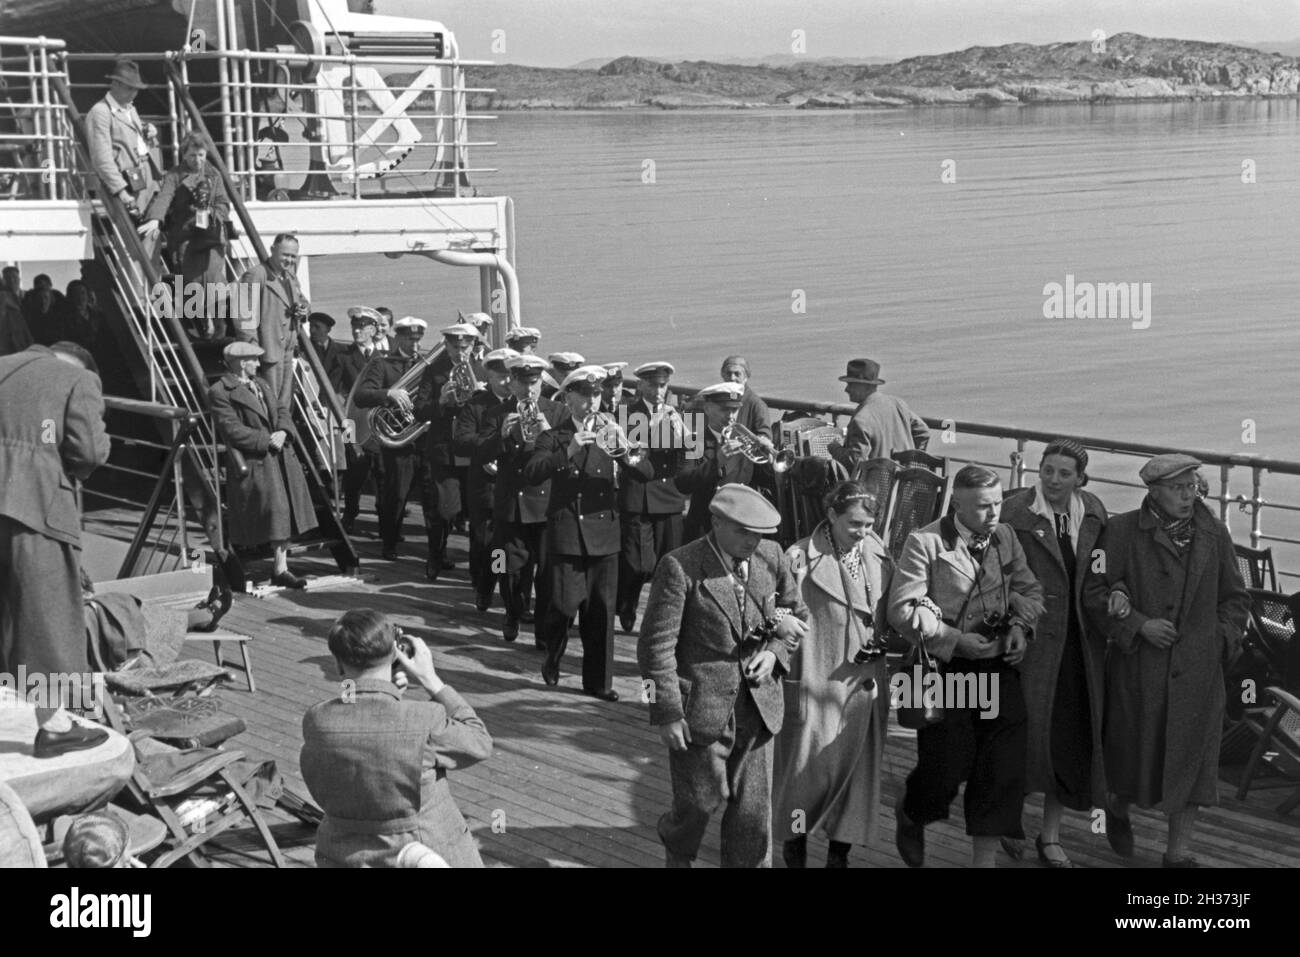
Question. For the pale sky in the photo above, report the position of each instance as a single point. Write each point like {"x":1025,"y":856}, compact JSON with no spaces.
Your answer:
{"x":564,"y":32}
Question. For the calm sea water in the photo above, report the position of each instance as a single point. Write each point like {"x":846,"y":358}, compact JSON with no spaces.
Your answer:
{"x":940,"y":282}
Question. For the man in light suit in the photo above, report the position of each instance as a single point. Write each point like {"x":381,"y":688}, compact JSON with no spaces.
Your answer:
{"x":51,"y":433}
{"x":713,"y":684}
{"x":881,"y":425}
{"x":121,"y":151}
{"x":280,"y":308}
{"x":963,"y":587}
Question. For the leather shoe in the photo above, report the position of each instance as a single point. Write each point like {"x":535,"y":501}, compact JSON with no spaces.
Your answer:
{"x":909,"y":838}
{"x":610,"y":695}
{"x":389,"y":554}
{"x":795,"y":852}
{"x":627,"y":623}
{"x":550,"y":675}
{"x":432,"y":569}
{"x":1167,"y":861}
{"x":1050,"y":861}
{"x":675,"y":860}
{"x":1014,"y":848}
{"x":483,"y":601}
{"x":287,"y":579}
{"x":527,"y":617}
{"x":217,"y":605}
{"x":1119,"y":833}
{"x":51,"y":744}
{"x":510,"y":630}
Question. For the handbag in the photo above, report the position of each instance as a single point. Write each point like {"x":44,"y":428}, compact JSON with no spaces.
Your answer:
{"x":923,"y":714}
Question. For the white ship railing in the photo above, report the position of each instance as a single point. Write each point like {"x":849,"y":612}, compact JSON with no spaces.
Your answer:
{"x":36,"y":155}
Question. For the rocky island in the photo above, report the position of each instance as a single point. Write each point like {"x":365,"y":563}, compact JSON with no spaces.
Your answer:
{"x":1126,"y":67}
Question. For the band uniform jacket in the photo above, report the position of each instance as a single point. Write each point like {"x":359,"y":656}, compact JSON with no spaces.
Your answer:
{"x":51,"y":432}
{"x":380,"y":374}
{"x":441,"y":436}
{"x":690,"y":646}
{"x":352,"y":360}
{"x":470,"y":440}
{"x":514,"y":498}
{"x":113,"y":137}
{"x":936,"y":563}
{"x":657,"y":494}
{"x":270,"y":502}
{"x":700,"y":479}
{"x":272,"y":325}
{"x":583,"y":515}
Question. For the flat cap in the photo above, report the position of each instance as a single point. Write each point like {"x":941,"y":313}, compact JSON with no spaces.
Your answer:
{"x":364,"y":312}
{"x":411,"y":322}
{"x":594,"y":375}
{"x":243,"y":350}
{"x":746,"y":507}
{"x":646,"y":369}
{"x":324,"y":317}
{"x":500,"y":357}
{"x":459,"y":329}
{"x":516,"y":333}
{"x":1167,"y":466}
{"x":565,"y":360}
{"x":726,"y":392}
{"x":528,"y":363}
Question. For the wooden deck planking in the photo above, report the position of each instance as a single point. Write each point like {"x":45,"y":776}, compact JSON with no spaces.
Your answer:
{"x":578,"y":782}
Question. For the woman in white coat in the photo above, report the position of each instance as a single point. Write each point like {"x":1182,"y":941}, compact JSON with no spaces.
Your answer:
{"x":828,"y":759}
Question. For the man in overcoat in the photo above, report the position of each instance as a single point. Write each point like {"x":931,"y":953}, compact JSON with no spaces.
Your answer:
{"x":881,"y":425}
{"x":122,"y":150}
{"x":280,"y":307}
{"x":714,"y":683}
{"x":51,"y":433}
{"x":1170,"y":643}
{"x":270,"y":502}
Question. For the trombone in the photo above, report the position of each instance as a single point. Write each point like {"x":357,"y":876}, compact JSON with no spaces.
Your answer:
{"x":738,"y":440}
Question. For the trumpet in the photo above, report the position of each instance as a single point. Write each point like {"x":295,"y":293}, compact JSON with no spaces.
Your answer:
{"x":738,"y":440}
{"x":611,"y":437}
{"x":463,"y":382}
{"x":531,"y":421}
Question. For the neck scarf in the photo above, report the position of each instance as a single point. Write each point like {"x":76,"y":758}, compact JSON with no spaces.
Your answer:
{"x":851,"y":559}
{"x":1181,"y":531}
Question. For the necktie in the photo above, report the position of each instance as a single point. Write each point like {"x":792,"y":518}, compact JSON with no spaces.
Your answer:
{"x":738,"y":583}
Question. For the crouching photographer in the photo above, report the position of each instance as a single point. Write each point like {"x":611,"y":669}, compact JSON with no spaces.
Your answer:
{"x":377,"y":763}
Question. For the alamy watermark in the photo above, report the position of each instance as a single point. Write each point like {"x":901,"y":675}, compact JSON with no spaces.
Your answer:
{"x":207,"y":300}
{"x":953,"y":691}
{"x":82,"y":692}
{"x":1098,"y":300}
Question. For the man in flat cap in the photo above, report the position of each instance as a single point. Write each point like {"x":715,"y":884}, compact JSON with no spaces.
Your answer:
{"x":717,"y":465}
{"x":51,"y":435}
{"x":523,"y":339}
{"x":403,"y":469}
{"x":472,"y":439}
{"x":122,"y":148}
{"x":650,"y":509}
{"x":328,"y":351}
{"x":519,"y":506}
{"x":1179,"y":613}
{"x":270,"y":503}
{"x":881,"y":424}
{"x":582,"y":534}
{"x":280,"y":307}
{"x":438,"y":402}
{"x":723,"y":615}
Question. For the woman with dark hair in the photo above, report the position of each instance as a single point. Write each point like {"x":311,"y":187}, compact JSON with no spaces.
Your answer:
{"x":1063,"y":672}
{"x":828,"y":755}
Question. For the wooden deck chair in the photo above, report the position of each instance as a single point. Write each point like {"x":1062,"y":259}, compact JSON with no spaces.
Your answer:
{"x":919,"y":457}
{"x":195,"y":792}
{"x":1256,"y":567}
{"x":789,"y":429}
{"x":1278,"y":726}
{"x":920,"y":497}
{"x":878,"y":476}
{"x":1271,"y":632}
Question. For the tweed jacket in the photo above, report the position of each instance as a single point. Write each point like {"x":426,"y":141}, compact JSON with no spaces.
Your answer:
{"x":113,"y":137}
{"x":271,"y":325}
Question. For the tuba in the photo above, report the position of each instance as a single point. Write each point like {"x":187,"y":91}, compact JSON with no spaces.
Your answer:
{"x":611,"y":437}
{"x":463,"y":382}
{"x":738,"y":440}
{"x":393,"y":427}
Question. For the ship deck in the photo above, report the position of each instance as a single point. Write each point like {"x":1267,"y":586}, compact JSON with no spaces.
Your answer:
{"x":575,"y":782}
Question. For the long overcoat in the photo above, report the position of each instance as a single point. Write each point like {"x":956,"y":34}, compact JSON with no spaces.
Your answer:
{"x":1042,"y":662}
{"x":1164,"y":707}
{"x":271,"y":501}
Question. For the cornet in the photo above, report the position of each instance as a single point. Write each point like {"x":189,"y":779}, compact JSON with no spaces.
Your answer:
{"x":463,"y":382}
{"x":531,"y":421}
{"x":738,"y":440}
{"x":611,"y":437}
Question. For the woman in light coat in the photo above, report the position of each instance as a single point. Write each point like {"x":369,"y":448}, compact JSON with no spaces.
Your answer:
{"x":1063,"y":672}
{"x":827,"y":769}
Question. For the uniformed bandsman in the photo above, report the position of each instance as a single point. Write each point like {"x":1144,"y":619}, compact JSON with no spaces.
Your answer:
{"x":701,"y":478}
{"x":362,"y":461}
{"x":523,"y":339}
{"x":471,"y":440}
{"x":562,"y":363}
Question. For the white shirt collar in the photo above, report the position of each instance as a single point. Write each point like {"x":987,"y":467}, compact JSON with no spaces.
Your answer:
{"x":964,"y":532}
{"x":1042,"y":507}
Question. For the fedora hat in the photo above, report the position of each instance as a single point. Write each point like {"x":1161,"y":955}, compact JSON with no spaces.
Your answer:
{"x":126,"y":71}
{"x":865,"y":371}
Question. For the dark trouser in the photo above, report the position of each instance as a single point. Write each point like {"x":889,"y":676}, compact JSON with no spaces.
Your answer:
{"x":987,"y":753}
{"x":582,"y":587}
{"x":361,"y":464}
{"x":442,"y":495}
{"x":733,"y":769}
{"x":522,"y":545}
{"x":403,"y":473}
{"x":485,"y":560}
{"x":42,"y":626}
{"x":645,"y":539}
